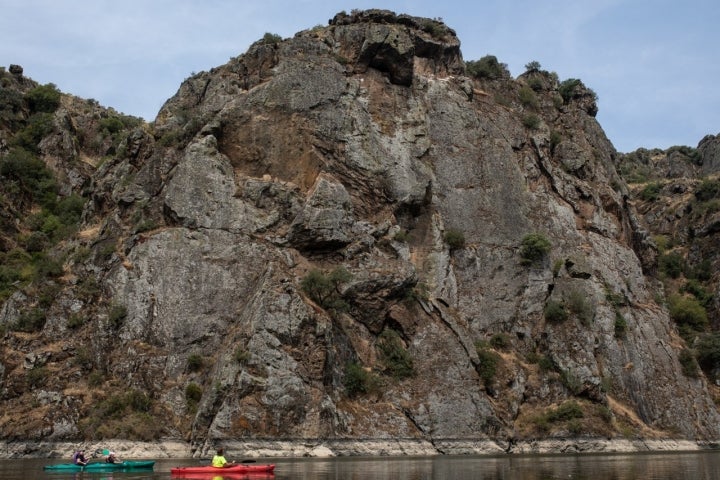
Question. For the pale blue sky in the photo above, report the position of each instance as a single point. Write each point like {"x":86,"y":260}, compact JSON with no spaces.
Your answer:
{"x":653,"y":63}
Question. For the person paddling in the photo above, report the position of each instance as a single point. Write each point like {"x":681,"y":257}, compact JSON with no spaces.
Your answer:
{"x":79,"y":458}
{"x":219,"y":461}
{"x":112,"y":458}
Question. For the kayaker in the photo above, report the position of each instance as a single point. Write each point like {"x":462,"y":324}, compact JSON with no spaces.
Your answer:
{"x":112,"y":458}
{"x":219,"y":460}
{"x":79,"y":458}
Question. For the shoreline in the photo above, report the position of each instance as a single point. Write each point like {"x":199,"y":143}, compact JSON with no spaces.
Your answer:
{"x":323,"y":448}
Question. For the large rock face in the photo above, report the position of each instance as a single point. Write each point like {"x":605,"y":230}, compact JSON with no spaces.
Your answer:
{"x":709,"y":148}
{"x":362,"y":148}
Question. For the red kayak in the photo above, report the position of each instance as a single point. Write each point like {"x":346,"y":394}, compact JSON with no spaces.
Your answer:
{"x":240,"y":468}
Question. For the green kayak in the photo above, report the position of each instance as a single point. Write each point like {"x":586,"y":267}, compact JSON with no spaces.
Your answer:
{"x":102,"y":466}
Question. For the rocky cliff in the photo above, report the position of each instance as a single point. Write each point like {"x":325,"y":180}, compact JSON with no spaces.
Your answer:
{"x":346,"y":235}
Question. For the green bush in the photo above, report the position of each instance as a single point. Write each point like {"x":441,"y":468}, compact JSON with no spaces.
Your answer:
{"x":688,"y":364}
{"x":708,"y":352}
{"x":118,"y":405}
{"x":242,"y":355}
{"x":357,"y":380}
{"x":487,"y":67}
{"x":567,"y":411}
{"x":707,"y":190}
{"x":533,"y":66}
{"x":36,"y":242}
{"x":671,"y":264}
{"x":271,"y":38}
{"x":111,"y":124}
{"x":117,"y":315}
{"x":620,"y":325}
{"x":15,"y":269}
{"x":500,"y":341}
{"x":455,"y":239}
{"x":614,"y":298}
{"x":88,"y":288}
{"x":569,"y":89}
{"x":84,"y":358}
{"x":325,"y":289}
{"x":29,"y":174}
{"x":396,"y":359}
{"x":193,"y":393}
{"x":535,"y":83}
{"x":37,"y":376}
{"x":687,"y":312}
{"x":527,"y":97}
{"x":29,"y":321}
{"x":531,"y":121}
{"x":702,"y":271}
{"x":555,"y":139}
{"x":546,"y":364}
{"x":555,"y":312}
{"x":138,"y":401}
{"x":69,"y":209}
{"x":534,"y":247}
{"x":435,"y":27}
{"x":578,"y":303}
{"x":11,"y":108}
{"x":46,"y":267}
{"x":694,"y":288}
{"x":195,"y":362}
{"x":44,"y":98}
{"x":488,"y":362}
{"x":38,"y":127}
{"x":650,"y":192}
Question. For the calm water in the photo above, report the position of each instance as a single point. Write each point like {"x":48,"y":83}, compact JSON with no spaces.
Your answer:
{"x":665,"y":466}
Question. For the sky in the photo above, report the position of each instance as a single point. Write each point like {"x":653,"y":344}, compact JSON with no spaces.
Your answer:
{"x":654,"y":64}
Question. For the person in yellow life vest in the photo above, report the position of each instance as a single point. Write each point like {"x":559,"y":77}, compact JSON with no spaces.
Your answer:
{"x":219,"y":460}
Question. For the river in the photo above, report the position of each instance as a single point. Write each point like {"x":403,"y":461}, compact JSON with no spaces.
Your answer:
{"x":655,"y":466}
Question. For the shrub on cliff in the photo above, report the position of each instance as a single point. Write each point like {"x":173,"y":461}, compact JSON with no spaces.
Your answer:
{"x":358,"y":380}
{"x":555,"y":312}
{"x":324,"y":289}
{"x":195,"y":362}
{"x":578,"y":304}
{"x":27,"y":175}
{"x":488,"y":362}
{"x":271,"y":38}
{"x":574,"y":88}
{"x":531,"y":121}
{"x":193,"y":393}
{"x":689,"y":365}
{"x":707,"y":190}
{"x":396,"y":359}
{"x":708,"y":352}
{"x":527,"y":97}
{"x":566,"y":411}
{"x":688,"y":313}
{"x":44,"y":98}
{"x":487,"y":67}
{"x":533,"y":66}
{"x":534,"y":247}
{"x":671,"y":264}
{"x":454,"y":239}
{"x":650,"y":192}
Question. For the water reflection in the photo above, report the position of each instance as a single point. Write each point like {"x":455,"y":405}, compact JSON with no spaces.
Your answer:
{"x":224,"y":476}
{"x":685,"y":466}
